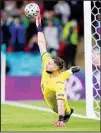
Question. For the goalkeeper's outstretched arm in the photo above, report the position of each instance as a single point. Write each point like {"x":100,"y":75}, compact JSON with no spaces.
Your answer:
{"x":41,"y":38}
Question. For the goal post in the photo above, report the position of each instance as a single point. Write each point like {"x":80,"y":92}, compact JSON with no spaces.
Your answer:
{"x":3,"y":76}
{"x":88,"y":48}
{"x":88,"y":59}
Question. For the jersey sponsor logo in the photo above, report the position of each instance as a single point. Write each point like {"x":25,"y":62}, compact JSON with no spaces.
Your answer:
{"x":61,"y":95}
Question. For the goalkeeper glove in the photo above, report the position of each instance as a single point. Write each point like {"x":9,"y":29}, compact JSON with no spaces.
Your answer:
{"x":75,"y":69}
{"x":60,"y":122}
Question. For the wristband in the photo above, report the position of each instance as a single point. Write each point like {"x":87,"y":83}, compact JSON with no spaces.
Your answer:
{"x":61,"y":118}
{"x":39,"y":28}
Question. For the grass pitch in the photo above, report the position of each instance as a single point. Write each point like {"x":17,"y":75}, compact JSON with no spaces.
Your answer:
{"x":21,"y":119}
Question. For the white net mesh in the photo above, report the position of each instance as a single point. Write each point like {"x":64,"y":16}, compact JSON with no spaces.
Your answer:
{"x":96,"y":45}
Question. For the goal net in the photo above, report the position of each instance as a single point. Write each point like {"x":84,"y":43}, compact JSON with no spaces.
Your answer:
{"x":92,"y":35}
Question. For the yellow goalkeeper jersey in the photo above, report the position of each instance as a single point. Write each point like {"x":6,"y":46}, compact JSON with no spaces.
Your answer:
{"x":53,"y":86}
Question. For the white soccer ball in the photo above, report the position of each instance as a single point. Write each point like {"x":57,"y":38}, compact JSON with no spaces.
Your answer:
{"x":32,"y":10}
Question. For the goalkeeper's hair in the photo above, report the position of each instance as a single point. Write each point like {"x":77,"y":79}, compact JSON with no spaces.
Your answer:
{"x":59,"y":62}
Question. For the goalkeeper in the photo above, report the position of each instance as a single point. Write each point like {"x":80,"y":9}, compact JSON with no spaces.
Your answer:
{"x":52,"y":83}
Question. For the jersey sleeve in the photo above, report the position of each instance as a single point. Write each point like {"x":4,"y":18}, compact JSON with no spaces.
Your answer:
{"x":60,"y":91}
{"x":66,"y":74}
{"x":46,"y":57}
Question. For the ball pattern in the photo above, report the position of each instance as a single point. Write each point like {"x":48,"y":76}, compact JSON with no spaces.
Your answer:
{"x":31,"y":10}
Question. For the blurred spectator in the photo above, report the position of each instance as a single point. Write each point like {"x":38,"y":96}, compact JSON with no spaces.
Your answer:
{"x":19,"y":3}
{"x":51,"y":36}
{"x":5,"y":33}
{"x":11,"y":8}
{"x":77,"y":13}
{"x":21,"y":33}
{"x":56,"y":21}
{"x":49,"y":4}
{"x":31,"y":37}
{"x":17,"y":30}
{"x":24,"y":19}
{"x":70,"y":35}
{"x":63,"y":10}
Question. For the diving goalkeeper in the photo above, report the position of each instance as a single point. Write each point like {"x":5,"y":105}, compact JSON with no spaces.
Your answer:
{"x":52,"y":82}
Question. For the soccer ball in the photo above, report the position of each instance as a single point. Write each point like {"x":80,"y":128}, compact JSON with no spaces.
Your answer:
{"x":32,"y":10}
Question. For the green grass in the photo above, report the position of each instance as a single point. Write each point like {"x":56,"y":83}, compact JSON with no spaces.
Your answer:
{"x":21,"y":119}
{"x":78,"y":106}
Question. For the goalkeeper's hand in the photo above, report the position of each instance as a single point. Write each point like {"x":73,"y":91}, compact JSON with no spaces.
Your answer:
{"x":59,"y":124}
{"x":75,"y":69}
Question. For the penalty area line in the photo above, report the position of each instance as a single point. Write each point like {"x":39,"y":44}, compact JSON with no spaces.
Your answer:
{"x":17,"y":104}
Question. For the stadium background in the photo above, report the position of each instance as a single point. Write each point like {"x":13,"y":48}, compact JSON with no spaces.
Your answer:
{"x":63,"y":28}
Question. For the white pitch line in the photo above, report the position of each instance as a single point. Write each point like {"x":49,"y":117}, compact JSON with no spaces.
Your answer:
{"x":41,"y":109}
